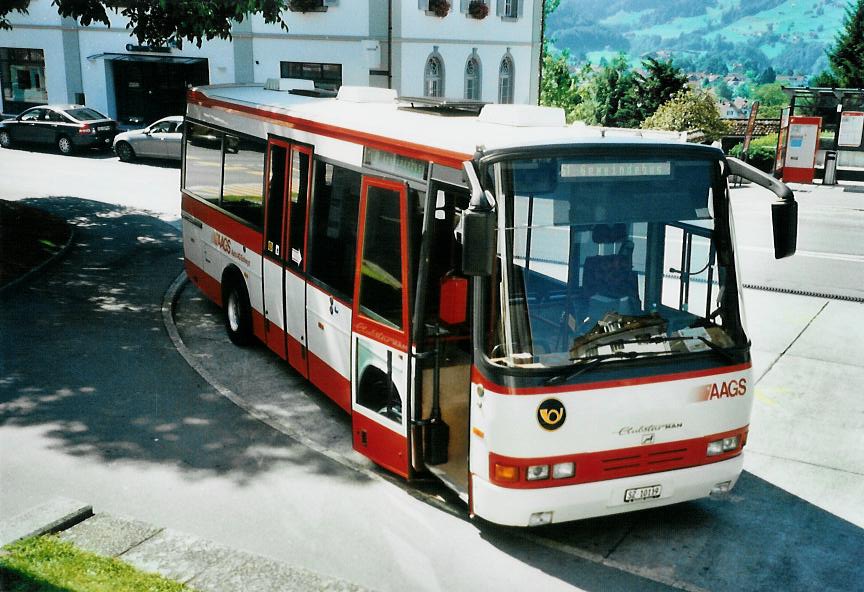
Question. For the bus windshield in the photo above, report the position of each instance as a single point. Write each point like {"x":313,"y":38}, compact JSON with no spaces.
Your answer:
{"x":610,"y":257}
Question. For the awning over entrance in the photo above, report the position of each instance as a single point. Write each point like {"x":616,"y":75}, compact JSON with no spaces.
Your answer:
{"x":152,"y":59}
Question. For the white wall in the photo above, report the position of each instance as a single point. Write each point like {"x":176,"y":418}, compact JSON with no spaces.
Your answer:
{"x":413,"y":64}
{"x":349,"y":17}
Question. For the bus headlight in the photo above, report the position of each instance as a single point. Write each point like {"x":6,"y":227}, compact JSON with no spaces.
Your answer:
{"x":563,"y":470}
{"x":537,"y":472}
{"x":725,"y":445}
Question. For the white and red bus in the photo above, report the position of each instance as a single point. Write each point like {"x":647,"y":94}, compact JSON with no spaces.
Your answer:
{"x":546,"y":316}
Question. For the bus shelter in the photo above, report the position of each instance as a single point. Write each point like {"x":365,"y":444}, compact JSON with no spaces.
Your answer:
{"x":838,"y":114}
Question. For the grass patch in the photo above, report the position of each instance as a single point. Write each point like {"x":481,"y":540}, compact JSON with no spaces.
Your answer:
{"x":47,"y":564}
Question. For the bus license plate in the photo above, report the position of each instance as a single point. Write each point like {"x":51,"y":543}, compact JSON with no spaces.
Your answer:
{"x":642,"y":494}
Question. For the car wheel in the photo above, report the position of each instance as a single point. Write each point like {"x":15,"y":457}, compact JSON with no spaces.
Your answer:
{"x":238,"y":314}
{"x":5,"y":139}
{"x":124,"y":151}
{"x":65,"y":146}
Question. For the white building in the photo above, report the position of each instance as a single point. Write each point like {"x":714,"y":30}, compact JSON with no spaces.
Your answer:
{"x":403,"y":44}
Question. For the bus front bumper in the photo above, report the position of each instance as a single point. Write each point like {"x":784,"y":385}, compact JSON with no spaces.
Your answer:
{"x":530,"y":507}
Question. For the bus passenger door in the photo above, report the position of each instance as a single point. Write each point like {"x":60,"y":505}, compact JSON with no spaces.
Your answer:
{"x":295,"y":256}
{"x":273,"y":261}
{"x":381,"y":360}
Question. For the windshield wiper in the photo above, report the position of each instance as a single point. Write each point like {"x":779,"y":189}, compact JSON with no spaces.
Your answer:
{"x":589,"y":362}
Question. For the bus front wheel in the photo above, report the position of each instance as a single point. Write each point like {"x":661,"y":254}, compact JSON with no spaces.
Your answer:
{"x":238,"y":314}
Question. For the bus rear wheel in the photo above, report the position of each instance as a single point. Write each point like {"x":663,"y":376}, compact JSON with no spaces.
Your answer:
{"x":238,"y":314}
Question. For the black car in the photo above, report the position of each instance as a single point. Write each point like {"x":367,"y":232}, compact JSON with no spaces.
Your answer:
{"x":66,"y":126}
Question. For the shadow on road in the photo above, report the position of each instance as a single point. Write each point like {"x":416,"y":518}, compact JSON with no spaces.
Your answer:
{"x":759,"y":537}
{"x":84,"y":355}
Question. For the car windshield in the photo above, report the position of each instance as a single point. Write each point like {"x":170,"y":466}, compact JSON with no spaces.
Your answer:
{"x":85,"y":114}
{"x":611,"y":257}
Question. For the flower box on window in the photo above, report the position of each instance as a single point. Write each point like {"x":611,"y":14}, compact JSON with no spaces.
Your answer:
{"x":478,"y":9}
{"x":440,"y":8}
{"x":310,"y":5}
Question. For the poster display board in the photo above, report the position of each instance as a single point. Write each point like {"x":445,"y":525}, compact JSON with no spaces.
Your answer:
{"x":802,"y":141}
{"x":851,"y":129}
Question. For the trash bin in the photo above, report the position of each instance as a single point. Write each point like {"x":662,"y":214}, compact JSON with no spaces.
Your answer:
{"x":830,"y":177}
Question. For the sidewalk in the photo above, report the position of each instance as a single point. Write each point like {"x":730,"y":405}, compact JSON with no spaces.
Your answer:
{"x":201,"y":564}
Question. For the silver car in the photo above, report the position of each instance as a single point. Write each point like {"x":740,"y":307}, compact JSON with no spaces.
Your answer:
{"x":161,"y":139}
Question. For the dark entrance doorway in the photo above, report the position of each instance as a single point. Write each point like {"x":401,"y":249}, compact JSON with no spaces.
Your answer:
{"x":149,"y":88}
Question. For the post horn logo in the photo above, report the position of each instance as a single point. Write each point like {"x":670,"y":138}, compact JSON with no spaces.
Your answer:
{"x":551,"y":414}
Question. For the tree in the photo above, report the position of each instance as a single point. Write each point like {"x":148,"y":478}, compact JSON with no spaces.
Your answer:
{"x":847,"y":56}
{"x":611,"y":94}
{"x":559,"y":87}
{"x":722,"y":89}
{"x":824,"y":79}
{"x":156,"y":22}
{"x":767,"y":76}
{"x":661,"y":82}
{"x":689,"y":110}
{"x":771,"y":99}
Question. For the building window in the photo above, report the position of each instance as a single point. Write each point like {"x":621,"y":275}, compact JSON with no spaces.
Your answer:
{"x":433,"y":76}
{"x":472,"y":77}
{"x":509,"y":9}
{"x":506,"y":76}
{"x":22,"y":76}
{"x":325,"y":76}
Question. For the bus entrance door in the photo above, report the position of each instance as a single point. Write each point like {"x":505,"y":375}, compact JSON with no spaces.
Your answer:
{"x":273,"y":271}
{"x":284,"y":250}
{"x":382,"y":363}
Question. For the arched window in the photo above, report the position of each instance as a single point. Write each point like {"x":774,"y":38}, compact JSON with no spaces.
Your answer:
{"x":433,"y":76}
{"x":472,"y":77}
{"x":506,"y":76}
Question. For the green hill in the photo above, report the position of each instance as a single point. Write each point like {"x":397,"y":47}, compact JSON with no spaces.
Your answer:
{"x":789,"y":35}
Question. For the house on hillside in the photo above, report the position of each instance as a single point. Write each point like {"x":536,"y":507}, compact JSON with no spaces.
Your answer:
{"x":737,"y":108}
{"x":460,"y":52}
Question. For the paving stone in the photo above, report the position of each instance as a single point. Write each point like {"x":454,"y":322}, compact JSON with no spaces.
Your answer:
{"x":256,"y":574}
{"x":176,"y":556}
{"x":109,"y":535}
{"x":57,"y":514}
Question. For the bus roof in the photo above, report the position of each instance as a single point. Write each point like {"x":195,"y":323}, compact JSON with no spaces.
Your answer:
{"x":376,"y":112}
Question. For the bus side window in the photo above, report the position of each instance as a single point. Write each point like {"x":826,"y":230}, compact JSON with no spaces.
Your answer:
{"x":332,"y":241}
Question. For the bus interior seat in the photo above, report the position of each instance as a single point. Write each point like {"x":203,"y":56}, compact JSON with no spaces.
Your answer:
{"x":611,"y":275}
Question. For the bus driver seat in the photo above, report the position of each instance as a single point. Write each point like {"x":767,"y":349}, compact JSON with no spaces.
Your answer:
{"x":608,"y":281}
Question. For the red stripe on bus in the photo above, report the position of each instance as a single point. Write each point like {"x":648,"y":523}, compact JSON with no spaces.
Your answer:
{"x":258,"y":325}
{"x":477,"y":377}
{"x":297,"y":356}
{"x":246,"y":236}
{"x":210,"y":287}
{"x":330,"y":382}
{"x":440,"y":156}
{"x":386,"y":447}
{"x":605,"y":465}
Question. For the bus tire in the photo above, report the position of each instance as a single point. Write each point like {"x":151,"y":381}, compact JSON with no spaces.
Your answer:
{"x":238,"y":313}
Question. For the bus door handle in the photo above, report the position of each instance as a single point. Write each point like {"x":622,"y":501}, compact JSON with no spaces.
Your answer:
{"x":333,"y":308}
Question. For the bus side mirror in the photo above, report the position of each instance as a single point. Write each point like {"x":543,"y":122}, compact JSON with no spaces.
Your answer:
{"x":478,"y":241}
{"x":784,"y":218}
{"x":784,"y":214}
